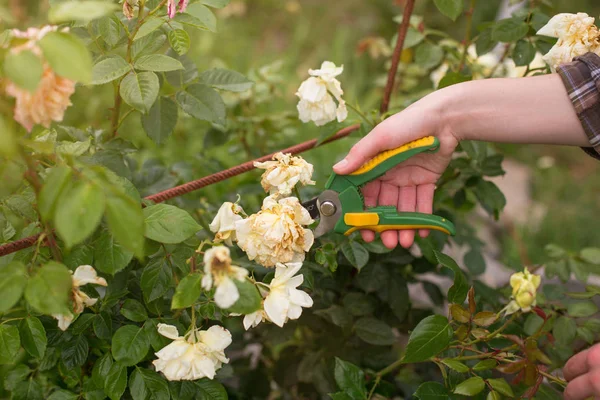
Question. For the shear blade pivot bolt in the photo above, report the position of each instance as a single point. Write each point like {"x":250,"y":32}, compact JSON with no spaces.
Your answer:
{"x":327,"y":208}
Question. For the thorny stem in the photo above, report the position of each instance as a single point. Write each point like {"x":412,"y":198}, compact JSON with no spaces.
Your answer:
{"x":469,"y":29}
{"x":553,"y":378}
{"x":496,"y":332}
{"x":11,"y":319}
{"x":402,"y":29}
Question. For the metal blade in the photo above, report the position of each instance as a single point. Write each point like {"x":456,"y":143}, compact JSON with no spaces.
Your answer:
{"x":311,"y":207}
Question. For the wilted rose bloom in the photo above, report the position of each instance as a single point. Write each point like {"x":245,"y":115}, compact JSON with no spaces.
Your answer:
{"x":576,"y":35}
{"x":51,"y":97}
{"x":254,"y":319}
{"x":128,"y":8}
{"x":524,"y":289}
{"x":316,"y":102}
{"x":219,"y":272}
{"x":284,"y":300}
{"x":276,"y":234}
{"x":283,"y":173}
{"x":172,"y":6}
{"x":83,"y":275}
{"x":224,"y":222}
{"x":197,"y":355}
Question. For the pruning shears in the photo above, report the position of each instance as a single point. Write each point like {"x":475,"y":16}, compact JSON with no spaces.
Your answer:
{"x":340,"y":207}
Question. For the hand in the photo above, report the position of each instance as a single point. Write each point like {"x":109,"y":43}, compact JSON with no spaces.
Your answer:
{"x":410,"y":185}
{"x":582,"y":372}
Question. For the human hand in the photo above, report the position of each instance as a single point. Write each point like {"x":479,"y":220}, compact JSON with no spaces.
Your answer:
{"x":410,"y":185}
{"x":582,"y":372}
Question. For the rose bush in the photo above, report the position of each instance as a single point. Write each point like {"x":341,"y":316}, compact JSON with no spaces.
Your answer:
{"x":226,"y":293}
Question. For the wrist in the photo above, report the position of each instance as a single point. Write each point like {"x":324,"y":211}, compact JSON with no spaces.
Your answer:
{"x":450,"y":103}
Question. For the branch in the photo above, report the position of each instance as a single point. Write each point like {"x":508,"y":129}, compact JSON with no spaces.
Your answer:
{"x":402,"y":29}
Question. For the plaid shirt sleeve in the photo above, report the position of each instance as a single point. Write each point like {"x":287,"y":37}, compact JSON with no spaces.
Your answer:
{"x":582,"y":80}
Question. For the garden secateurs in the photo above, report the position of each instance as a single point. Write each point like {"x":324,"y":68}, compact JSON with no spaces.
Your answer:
{"x":340,"y":207}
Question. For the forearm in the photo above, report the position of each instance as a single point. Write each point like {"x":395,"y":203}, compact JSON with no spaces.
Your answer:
{"x":527,"y":110}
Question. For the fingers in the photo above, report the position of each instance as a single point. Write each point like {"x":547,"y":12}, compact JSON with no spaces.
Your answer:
{"x":370,"y":193}
{"x":425,"y":203}
{"x":584,"y":386}
{"x":407,"y":202}
{"x":388,"y":196}
{"x":577,"y":365}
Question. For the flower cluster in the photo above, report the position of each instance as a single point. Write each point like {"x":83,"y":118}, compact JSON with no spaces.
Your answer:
{"x":316,"y":102}
{"x":576,"y":35}
{"x":199,"y":354}
{"x":524,"y":288}
{"x":50,"y":98}
{"x":283,"y":173}
{"x":83,"y":275}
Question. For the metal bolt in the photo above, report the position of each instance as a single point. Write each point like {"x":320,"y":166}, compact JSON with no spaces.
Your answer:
{"x":328,"y":208}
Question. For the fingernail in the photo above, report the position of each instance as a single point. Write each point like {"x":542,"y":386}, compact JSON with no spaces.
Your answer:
{"x":341,"y":164}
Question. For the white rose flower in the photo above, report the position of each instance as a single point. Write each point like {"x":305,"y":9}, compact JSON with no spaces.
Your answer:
{"x":284,"y":300}
{"x":254,"y":319}
{"x":197,"y":355}
{"x":576,"y":35}
{"x":316,"y":102}
{"x":283,"y":173}
{"x":276,"y":234}
{"x":83,"y":275}
{"x":219,"y":272}
{"x":224,"y":222}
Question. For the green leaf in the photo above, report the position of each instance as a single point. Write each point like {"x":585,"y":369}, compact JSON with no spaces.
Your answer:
{"x":431,"y":336}
{"x":109,"y":69}
{"x":179,"y":41}
{"x":356,"y":254}
{"x":474,"y":262}
{"x":13,"y":278}
{"x":484,"y":42}
{"x":160,"y":120}
{"x":458,"y":292}
{"x":501,"y":386}
{"x":523,"y":53}
{"x":207,"y":389}
{"x":103,"y":325}
{"x":158,"y":63}
{"x":450,"y":8}
{"x":82,"y":323}
{"x":28,"y":390}
{"x":68,"y":56}
{"x":509,"y":30}
{"x":484,"y":365}
{"x":582,"y":309}
{"x":156,"y":279}
{"x":33,"y":336}
{"x":150,"y":25}
{"x":140,"y":90}
{"x":126,"y":222}
{"x":226,"y":79}
{"x":340,"y":396}
{"x":198,"y":16}
{"x":75,"y":352}
{"x":146,"y":384}
{"x":109,"y":256}
{"x":564,"y":331}
{"x":134,"y":311}
{"x":586,"y":334}
{"x":55,"y":183}
{"x":374,"y":331}
{"x":10,"y":343}
{"x":336,"y":315}
{"x":79,"y":212}
{"x":49,"y":290}
{"x":129,"y":345}
{"x":452,"y":78}
{"x":101,"y":369}
{"x":202,"y":102}
{"x":116,"y":381}
{"x":456,"y":366}
{"x":428,"y":55}
{"x":111,"y":30}
{"x":187,"y":291}
{"x":216,"y":3}
{"x":591,"y":255}
{"x":490,"y":197}
{"x":23,"y":69}
{"x":169,"y":224}
{"x":249,"y":301}
{"x":359,"y":304}
{"x":84,"y":11}
{"x":350,"y":379}
{"x":470,"y":387}
{"x":62,"y":394}
{"x":16,"y":375}
{"x":149,"y":44}
{"x":432,"y":391}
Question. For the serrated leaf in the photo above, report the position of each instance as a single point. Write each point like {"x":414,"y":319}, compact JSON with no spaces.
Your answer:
{"x":430,"y":336}
{"x":33,"y":336}
{"x":187,"y":292}
{"x":582,"y":309}
{"x":101,"y":369}
{"x":216,"y":3}
{"x":485,"y":318}
{"x":456,"y":366}
{"x":126,"y":222}
{"x":23,"y":69}
{"x":150,"y":25}
{"x":591,"y":255}
{"x":523,"y":53}
{"x":78,"y":212}
{"x":49,"y":289}
{"x":450,"y":8}
{"x":116,"y":381}
{"x":146,"y":384}
{"x":10,"y":343}
{"x":169,"y":224}
{"x":160,"y":120}
{"x":16,"y":375}
{"x":432,"y":391}
{"x":111,"y":30}
{"x":470,"y":387}
{"x":202,"y":102}
{"x":374,"y":331}
{"x":148,"y":44}
{"x":198,"y":16}
{"x":207,"y":389}
{"x":501,"y":386}
{"x":85,"y":10}
{"x":140,"y":90}
{"x":485,"y":365}
{"x":67,"y":55}
{"x":129,"y":345}
{"x":134,"y":310}
{"x":356,"y":254}
{"x":109,"y":256}
{"x":509,"y":30}
{"x":157,"y":63}
{"x":13,"y":278}
{"x":75,"y":352}
{"x":226,"y":79}
{"x":564,"y":330}
{"x":109,"y":69}
{"x":179,"y":41}
{"x":350,"y":379}
{"x":156,"y":279}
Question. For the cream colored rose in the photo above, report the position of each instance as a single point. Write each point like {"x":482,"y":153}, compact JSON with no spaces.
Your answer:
{"x":576,"y":35}
{"x":283,"y":173}
{"x":197,"y":355}
{"x":224,"y":222}
{"x":524,"y":290}
{"x":276,"y":234}
{"x":316,"y":102}
{"x":51,"y":97}
{"x":219,"y":272}
{"x":254,"y":319}
{"x":284,"y":300}
{"x":83,"y":275}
